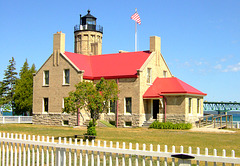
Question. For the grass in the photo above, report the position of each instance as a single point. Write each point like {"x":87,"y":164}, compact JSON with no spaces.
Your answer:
{"x":219,"y":141}
{"x":106,"y":123}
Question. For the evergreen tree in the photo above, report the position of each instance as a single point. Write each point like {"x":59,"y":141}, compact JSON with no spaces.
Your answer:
{"x":24,"y":90}
{"x":9,"y":82}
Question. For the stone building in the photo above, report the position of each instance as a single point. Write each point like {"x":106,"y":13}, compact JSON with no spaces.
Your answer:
{"x":148,"y":90}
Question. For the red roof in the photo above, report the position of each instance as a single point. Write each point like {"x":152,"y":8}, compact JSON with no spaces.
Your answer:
{"x":120,"y":65}
{"x":171,"y":85}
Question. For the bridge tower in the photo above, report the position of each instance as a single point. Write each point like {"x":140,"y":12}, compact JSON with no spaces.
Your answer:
{"x":88,"y":36}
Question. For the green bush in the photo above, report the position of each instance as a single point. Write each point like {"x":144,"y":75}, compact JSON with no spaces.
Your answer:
{"x":91,"y":129}
{"x":169,"y":125}
{"x":91,"y":124}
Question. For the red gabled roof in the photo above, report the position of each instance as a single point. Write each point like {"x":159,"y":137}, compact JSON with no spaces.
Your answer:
{"x":171,"y":85}
{"x":120,"y":65}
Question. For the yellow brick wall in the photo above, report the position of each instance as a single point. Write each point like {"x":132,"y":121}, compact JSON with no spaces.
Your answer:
{"x":88,"y":39}
{"x":56,"y":91}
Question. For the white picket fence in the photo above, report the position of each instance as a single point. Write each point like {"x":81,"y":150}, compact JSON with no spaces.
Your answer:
{"x":29,"y":150}
{"x":15,"y":119}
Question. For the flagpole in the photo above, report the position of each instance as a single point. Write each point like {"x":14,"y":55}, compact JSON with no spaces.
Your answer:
{"x":135,"y":33}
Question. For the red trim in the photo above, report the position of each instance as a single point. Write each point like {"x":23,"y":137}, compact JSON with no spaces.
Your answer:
{"x":150,"y":97}
{"x":117,"y":105}
{"x":194,"y":93}
{"x":109,"y":77}
{"x":170,"y":86}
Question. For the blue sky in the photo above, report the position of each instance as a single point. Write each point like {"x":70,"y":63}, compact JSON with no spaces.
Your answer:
{"x":200,"y":39}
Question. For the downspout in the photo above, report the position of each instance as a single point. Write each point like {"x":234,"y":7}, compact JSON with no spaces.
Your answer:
{"x":117,"y":105}
{"x":165,"y":108}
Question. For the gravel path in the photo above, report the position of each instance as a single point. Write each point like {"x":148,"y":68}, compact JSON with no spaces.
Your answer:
{"x":211,"y":130}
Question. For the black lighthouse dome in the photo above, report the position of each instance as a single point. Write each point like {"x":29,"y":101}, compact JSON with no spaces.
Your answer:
{"x":88,"y":23}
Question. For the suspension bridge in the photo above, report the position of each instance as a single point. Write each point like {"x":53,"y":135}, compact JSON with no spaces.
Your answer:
{"x":221,"y":106}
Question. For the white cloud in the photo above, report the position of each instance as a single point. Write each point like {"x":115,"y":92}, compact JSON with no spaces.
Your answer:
{"x":199,"y":63}
{"x":225,"y":58}
{"x":218,"y":67}
{"x":233,"y":68}
{"x":187,"y":64}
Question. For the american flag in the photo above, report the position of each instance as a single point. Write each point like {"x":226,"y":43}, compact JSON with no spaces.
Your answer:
{"x":136,"y":18}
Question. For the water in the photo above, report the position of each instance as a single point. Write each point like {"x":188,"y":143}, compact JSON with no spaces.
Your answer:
{"x":235,"y":114}
{"x":6,"y":113}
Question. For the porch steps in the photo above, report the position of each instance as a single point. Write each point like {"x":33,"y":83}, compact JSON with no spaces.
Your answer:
{"x":147,"y":123}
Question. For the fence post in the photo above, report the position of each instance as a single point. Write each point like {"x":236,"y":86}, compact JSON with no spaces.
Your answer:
{"x":214,"y":122}
{"x":221,"y":122}
{"x":226,"y":121}
{"x":59,"y":155}
{"x":19,"y":119}
{"x":3,"y":119}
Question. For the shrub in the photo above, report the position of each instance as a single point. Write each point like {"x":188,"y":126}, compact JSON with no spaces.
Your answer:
{"x":169,"y":125}
{"x":91,"y":129}
{"x":91,"y":124}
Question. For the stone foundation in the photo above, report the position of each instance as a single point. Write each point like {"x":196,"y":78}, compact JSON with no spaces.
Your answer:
{"x":55,"y":119}
{"x":174,"y":118}
{"x":133,"y":120}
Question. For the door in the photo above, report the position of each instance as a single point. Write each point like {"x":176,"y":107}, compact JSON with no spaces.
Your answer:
{"x":155,"y":108}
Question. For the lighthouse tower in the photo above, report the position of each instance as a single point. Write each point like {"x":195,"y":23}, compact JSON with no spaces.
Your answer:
{"x":88,"y":36}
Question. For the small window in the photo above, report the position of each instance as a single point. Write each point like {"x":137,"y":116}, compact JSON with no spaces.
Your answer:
{"x":79,"y":37}
{"x":190,"y":105}
{"x":164,"y":74}
{"x":128,"y":124}
{"x":198,"y":106}
{"x":45,"y":104}
{"x":113,"y":107}
{"x":128,"y":105}
{"x":66,"y":75}
{"x":46,"y":77}
{"x":65,"y":122}
{"x":149,"y":75}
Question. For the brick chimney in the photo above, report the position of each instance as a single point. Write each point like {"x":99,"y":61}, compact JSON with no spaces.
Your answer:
{"x":58,"y":46}
{"x":155,"y":44}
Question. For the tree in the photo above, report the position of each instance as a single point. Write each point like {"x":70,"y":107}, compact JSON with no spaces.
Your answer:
{"x":24,"y":90}
{"x":93,"y":98}
{"x":9,"y":82}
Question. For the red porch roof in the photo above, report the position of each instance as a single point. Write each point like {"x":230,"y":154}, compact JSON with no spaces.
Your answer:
{"x":171,"y":85}
{"x":120,"y":65}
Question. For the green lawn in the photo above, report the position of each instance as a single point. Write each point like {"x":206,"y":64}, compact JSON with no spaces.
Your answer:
{"x":219,"y":141}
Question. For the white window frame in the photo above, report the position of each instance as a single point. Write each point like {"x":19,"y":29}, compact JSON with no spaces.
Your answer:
{"x":198,"y":106}
{"x":63,"y":103}
{"x":190,"y":103}
{"x":125,"y":106}
{"x":45,"y":112}
{"x":109,"y":110}
{"x":44,"y":78}
{"x":64,"y":77}
{"x":149,"y":75}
